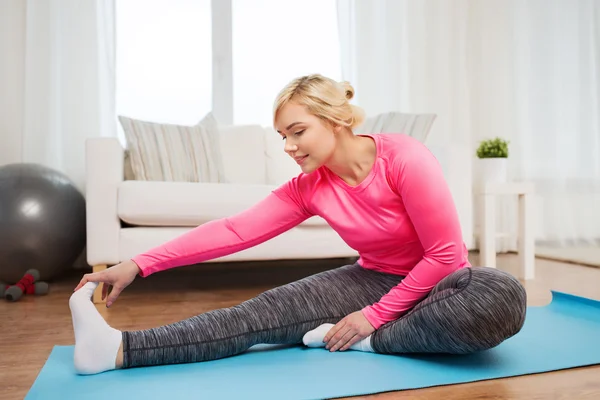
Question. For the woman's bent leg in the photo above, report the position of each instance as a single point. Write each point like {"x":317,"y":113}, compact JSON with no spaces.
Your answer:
{"x":470,"y":310}
{"x":279,"y":316}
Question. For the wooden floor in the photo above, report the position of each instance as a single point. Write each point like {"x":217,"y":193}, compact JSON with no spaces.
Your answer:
{"x":32,"y":326}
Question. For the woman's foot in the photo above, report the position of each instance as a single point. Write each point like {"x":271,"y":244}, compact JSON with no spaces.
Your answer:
{"x":97,"y":345}
{"x":315,"y":338}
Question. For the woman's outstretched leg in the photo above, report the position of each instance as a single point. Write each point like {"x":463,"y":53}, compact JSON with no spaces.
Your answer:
{"x":278,"y":316}
{"x":470,"y":310}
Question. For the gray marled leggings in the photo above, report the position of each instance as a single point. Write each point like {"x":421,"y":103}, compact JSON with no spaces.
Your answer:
{"x":470,"y":310}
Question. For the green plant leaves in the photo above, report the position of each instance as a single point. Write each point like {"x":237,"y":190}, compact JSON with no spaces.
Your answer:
{"x":493,"y":148}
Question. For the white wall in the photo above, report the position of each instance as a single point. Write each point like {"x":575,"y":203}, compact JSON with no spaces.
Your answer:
{"x":12,"y":66}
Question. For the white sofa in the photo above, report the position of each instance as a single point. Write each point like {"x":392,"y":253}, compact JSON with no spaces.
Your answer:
{"x":126,"y":217}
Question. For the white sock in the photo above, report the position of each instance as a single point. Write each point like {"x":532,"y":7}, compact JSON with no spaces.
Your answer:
{"x":96,"y":343}
{"x":315,"y":338}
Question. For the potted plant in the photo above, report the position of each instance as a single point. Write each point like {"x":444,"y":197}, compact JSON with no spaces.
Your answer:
{"x":493,"y":155}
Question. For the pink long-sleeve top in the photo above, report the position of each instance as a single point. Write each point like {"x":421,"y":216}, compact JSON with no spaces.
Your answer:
{"x":401,"y":219}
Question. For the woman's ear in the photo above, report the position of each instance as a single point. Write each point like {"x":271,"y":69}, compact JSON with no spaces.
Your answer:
{"x":337,"y":129}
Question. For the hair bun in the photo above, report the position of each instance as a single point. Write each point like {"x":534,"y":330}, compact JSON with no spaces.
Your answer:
{"x":348,"y":89}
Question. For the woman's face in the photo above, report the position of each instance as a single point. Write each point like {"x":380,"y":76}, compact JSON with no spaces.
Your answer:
{"x":309,"y":140}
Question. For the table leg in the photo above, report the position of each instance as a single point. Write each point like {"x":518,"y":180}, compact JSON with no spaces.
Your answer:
{"x":488,"y":237}
{"x":97,"y":297}
{"x":526,"y":238}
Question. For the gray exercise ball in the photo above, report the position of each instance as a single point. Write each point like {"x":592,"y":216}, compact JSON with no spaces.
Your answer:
{"x":42,"y":222}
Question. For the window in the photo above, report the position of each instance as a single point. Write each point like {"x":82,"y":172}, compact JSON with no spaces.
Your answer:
{"x":275,"y":41}
{"x":164,"y":60}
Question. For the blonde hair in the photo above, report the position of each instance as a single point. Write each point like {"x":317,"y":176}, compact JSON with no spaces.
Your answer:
{"x":324,"y":98}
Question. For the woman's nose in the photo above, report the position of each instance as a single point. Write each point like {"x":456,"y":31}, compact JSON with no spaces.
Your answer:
{"x":290,"y":147}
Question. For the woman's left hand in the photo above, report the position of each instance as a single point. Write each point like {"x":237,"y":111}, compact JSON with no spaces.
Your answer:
{"x":353,"y":328}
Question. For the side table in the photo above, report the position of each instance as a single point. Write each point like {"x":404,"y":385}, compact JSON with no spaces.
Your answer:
{"x":487,"y":243}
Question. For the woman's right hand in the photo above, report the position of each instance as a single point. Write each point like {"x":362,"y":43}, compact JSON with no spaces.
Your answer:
{"x":119,"y":277}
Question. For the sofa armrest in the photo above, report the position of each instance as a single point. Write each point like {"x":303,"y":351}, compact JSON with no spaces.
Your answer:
{"x":104,"y":173}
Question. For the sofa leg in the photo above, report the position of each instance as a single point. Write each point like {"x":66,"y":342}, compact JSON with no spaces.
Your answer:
{"x":97,"y":298}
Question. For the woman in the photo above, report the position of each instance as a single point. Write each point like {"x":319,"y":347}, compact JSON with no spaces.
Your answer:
{"x":411,"y":290}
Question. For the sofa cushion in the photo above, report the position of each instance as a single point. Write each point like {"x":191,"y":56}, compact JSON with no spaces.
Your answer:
{"x":415,"y":125}
{"x":169,"y":152}
{"x":243,"y":153}
{"x":142,"y":203}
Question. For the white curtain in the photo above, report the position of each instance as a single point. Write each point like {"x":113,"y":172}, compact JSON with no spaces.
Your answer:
{"x":528,"y":71}
{"x":69,"y":81}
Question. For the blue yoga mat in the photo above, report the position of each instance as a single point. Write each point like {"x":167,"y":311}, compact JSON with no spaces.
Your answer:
{"x":563,"y":334}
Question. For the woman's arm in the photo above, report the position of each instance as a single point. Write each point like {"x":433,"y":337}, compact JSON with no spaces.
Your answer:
{"x":420,"y":182}
{"x":280,"y":211}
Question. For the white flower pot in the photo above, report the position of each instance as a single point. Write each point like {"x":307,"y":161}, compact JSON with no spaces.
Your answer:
{"x":493,"y":170}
